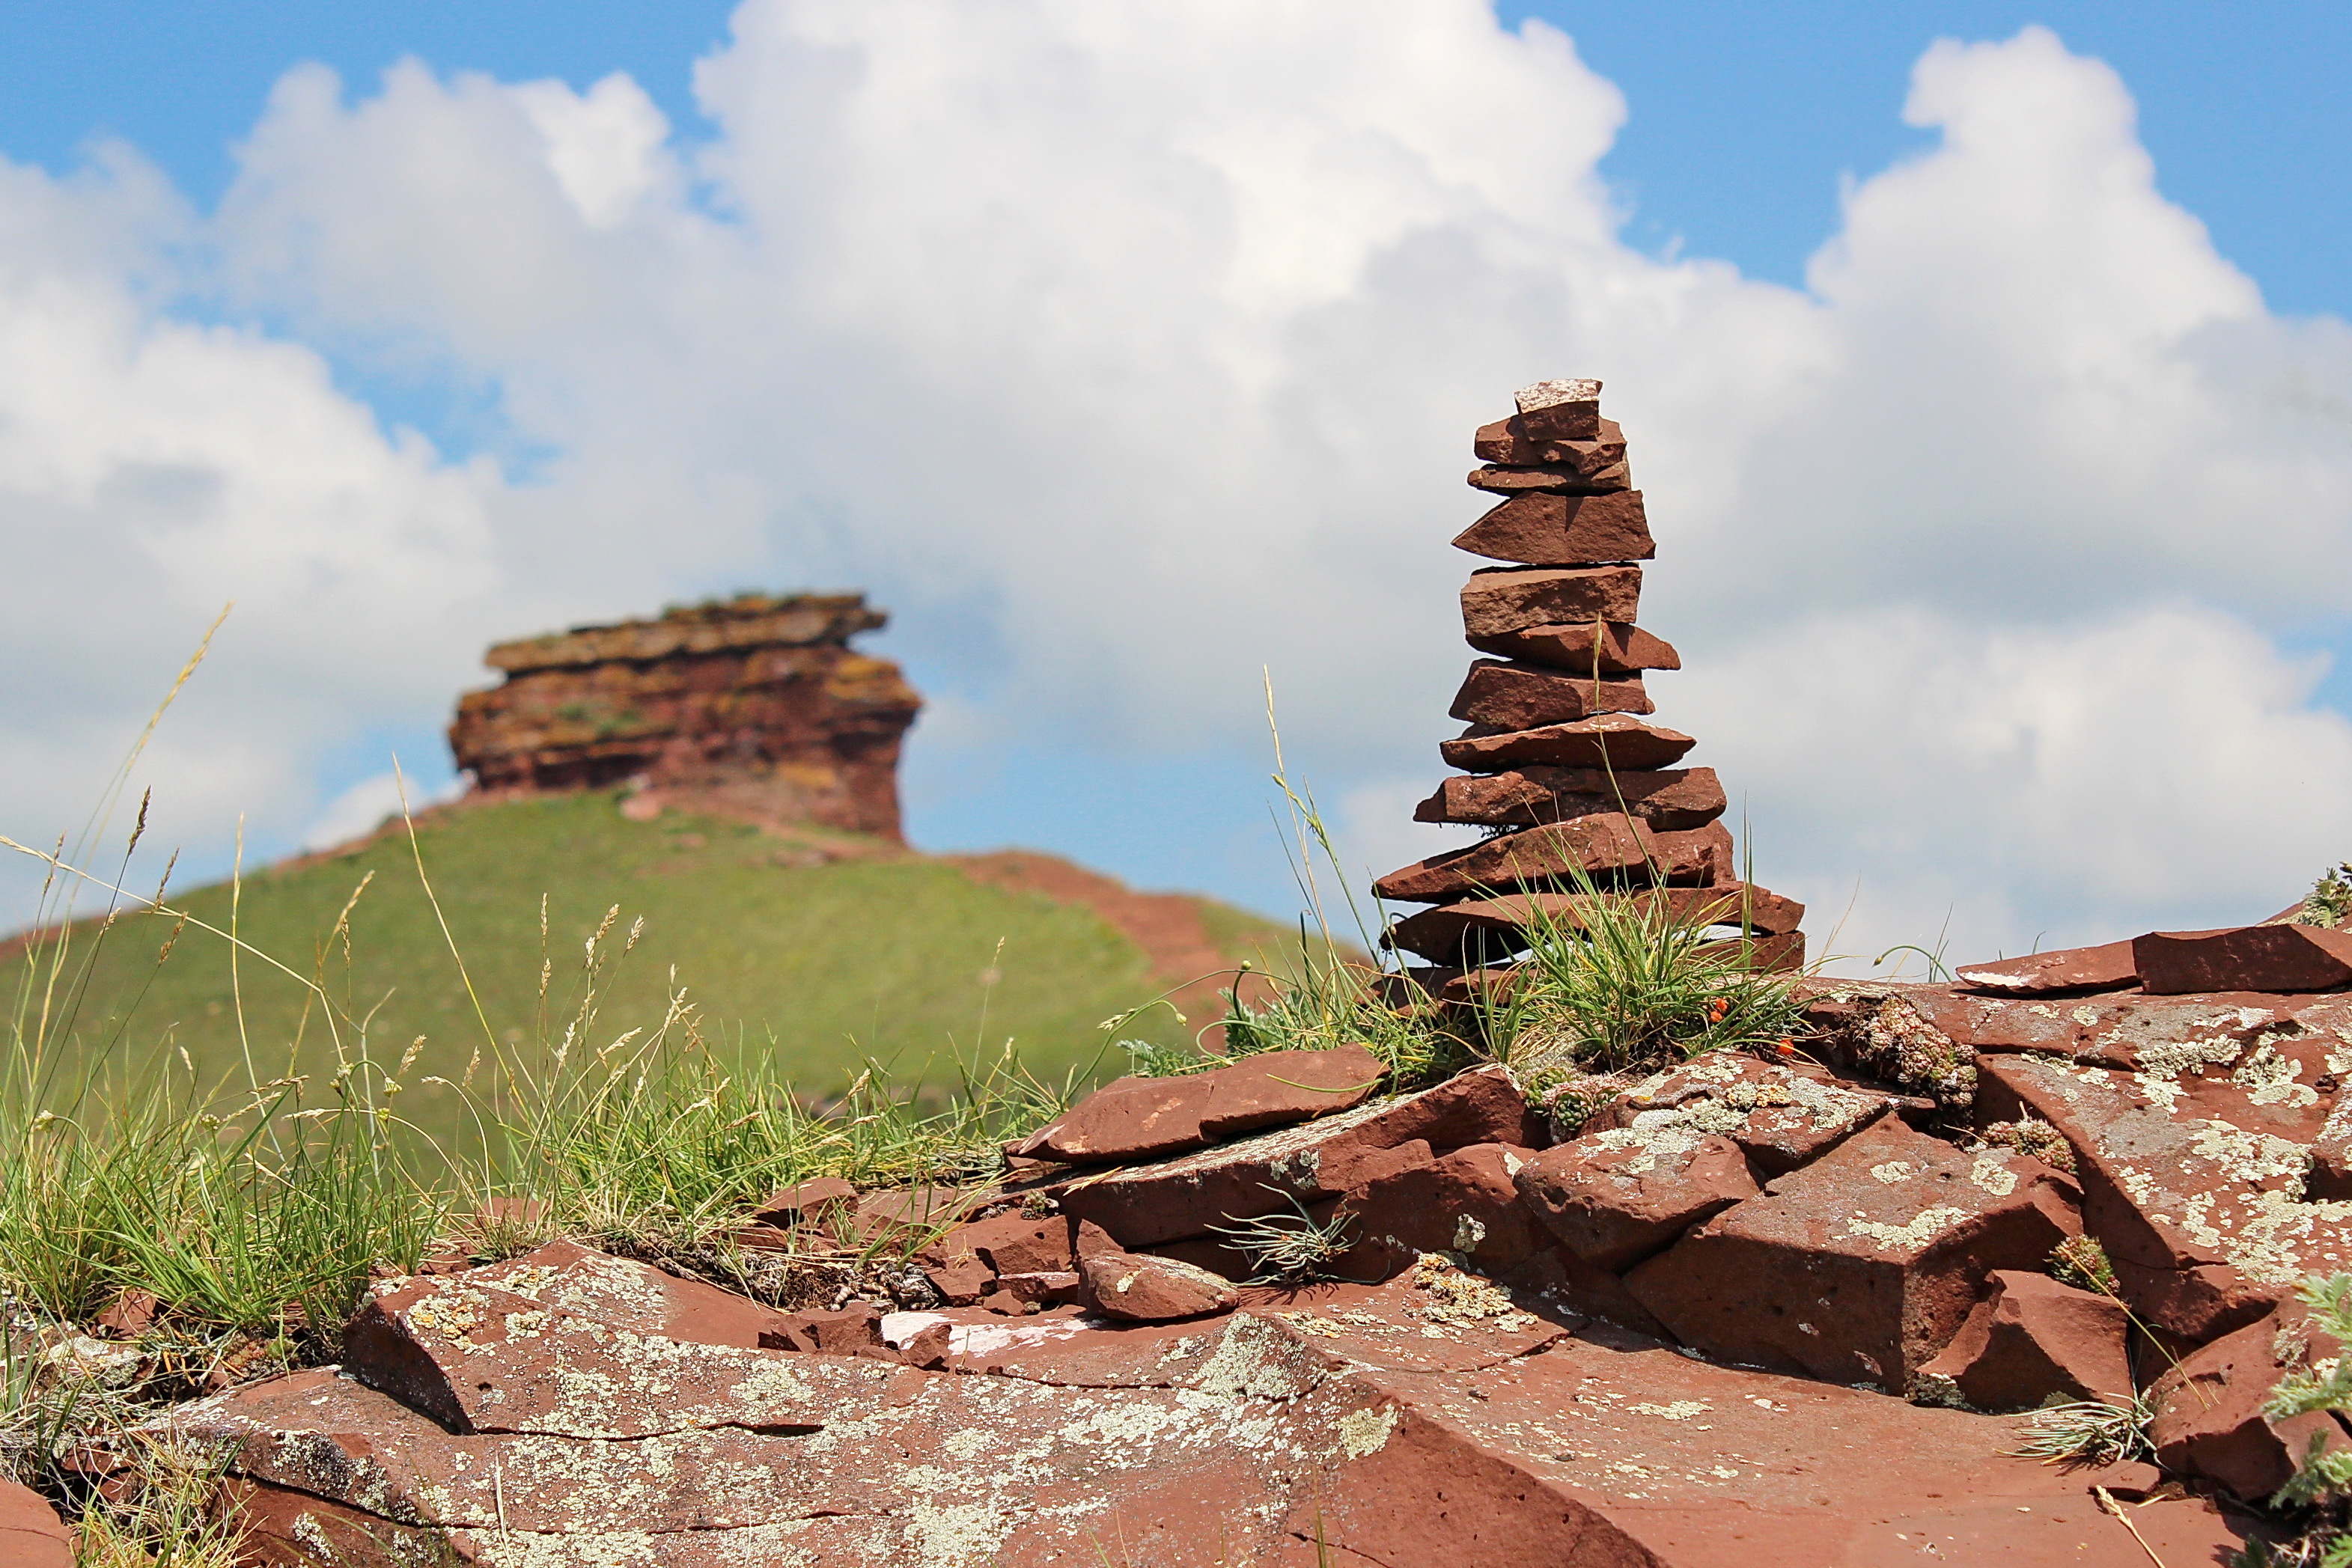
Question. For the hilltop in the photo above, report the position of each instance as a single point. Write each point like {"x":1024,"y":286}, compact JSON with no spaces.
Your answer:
{"x":822,"y":949}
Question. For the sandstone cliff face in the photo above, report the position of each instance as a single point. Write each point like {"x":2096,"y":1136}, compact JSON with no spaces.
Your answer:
{"x":755,"y":707}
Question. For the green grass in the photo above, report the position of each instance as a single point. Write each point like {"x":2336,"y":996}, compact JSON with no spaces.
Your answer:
{"x":814,"y":968}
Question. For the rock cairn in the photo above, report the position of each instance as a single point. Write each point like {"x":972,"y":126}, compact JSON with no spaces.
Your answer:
{"x":1558,"y":761}
{"x":754,"y":707}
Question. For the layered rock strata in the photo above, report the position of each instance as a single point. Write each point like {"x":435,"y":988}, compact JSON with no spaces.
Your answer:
{"x":1582,"y":791}
{"x":755,"y":707}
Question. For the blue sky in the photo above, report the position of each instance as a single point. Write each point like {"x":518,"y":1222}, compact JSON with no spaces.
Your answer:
{"x":351,"y":230}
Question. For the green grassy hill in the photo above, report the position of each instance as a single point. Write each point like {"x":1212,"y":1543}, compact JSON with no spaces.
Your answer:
{"x":821,"y":963}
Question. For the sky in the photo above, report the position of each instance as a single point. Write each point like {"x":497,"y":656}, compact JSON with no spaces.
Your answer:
{"x":1984,"y":366}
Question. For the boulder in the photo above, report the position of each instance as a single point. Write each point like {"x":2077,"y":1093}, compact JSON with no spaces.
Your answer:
{"x":1582,"y":647}
{"x":1615,"y":741}
{"x":2068,"y":970}
{"x":1614,"y":1198}
{"x":1151,"y":1290}
{"x":1544,"y":529}
{"x":1668,"y":800}
{"x":1505,"y":441}
{"x":1182,"y":1197}
{"x":1861,"y":1267}
{"x":2194,"y":1170}
{"x":1501,"y":599}
{"x":2208,"y":1408}
{"x":1609,"y":848}
{"x":1527,"y":696}
{"x":2244,"y":958}
{"x":31,"y":1533}
{"x":1144,"y":1118}
{"x":1498,"y":924}
{"x":2034,"y":1340}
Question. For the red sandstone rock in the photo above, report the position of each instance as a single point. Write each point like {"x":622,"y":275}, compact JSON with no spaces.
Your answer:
{"x":1151,"y":1290}
{"x":1600,"y":461}
{"x":807,"y":1201}
{"x":1129,"y":1119}
{"x":2244,"y":958}
{"x":1764,"y":954}
{"x":1182,"y":1197}
{"x":1545,"y":529}
{"x":2193,"y":1172}
{"x":1501,"y":599}
{"x":1781,"y":1117}
{"x":1014,"y":1244}
{"x":1140,"y":1118}
{"x":1613,"y":1200}
{"x":1612,"y":740}
{"x":1561,"y":478}
{"x":1465,"y":1203}
{"x":1583,"y":648}
{"x":481,"y":1359}
{"x":129,"y":1315}
{"x":959,"y":1278}
{"x":756,"y":706}
{"x":2107,"y":968}
{"x":1499,"y":923}
{"x":2031,"y":1341}
{"x":1677,"y":799}
{"x":1564,"y":409}
{"x":1862,"y":1266}
{"x":855,"y":1330}
{"x":1606,"y":848}
{"x":31,"y":1533}
{"x":2209,"y":1416}
{"x":1526,"y":696}
{"x":629,"y":1294}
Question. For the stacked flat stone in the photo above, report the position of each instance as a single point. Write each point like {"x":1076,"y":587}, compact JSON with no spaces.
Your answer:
{"x":1558,"y":759}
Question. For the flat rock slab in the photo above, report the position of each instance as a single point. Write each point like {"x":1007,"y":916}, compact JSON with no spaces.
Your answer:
{"x":1781,"y":1117}
{"x":1589,"y":1457}
{"x":1507,"y":696}
{"x":1612,"y":740}
{"x":1545,"y":529}
{"x":1614,"y":1198}
{"x":629,"y":1294}
{"x":2196,"y":1173}
{"x":2285,"y":958}
{"x":1663,"y":800}
{"x":2067,"y":971}
{"x":1586,"y":648}
{"x":1505,"y":441}
{"x":1606,"y":848}
{"x":2210,"y":1420}
{"x":1494,"y":927}
{"x":1170,"y":1200}
{"x":479,"y":1359}
{"x":1501,"y":599}
{"x":1141,"y":1118}
{"x":1862,"y":1266}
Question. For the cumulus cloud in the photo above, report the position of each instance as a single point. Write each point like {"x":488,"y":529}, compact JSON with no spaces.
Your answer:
{"x":1124,"y":350}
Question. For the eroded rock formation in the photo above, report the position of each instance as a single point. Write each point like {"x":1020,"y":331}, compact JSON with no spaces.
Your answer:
{"x":755,"y":707}
{"x":1580,"y":791}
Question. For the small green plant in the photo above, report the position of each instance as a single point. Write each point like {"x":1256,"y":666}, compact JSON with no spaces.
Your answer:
{"x":1294,"y":1249}
{"x":2329,"y":902}
{"x":2030,"y":1136}
{"x":2082,"y":1262}
{"x":2089,"y":1432}
{"x":1623,"y":983}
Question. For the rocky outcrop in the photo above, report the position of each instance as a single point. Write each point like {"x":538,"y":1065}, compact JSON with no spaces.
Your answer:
{"x":754,"y":707}
{"x":1584,"y":795}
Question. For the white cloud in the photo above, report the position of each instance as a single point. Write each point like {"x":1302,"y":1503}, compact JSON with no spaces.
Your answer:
{"x":367,"y":805}
{"x":1126,"y":349}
